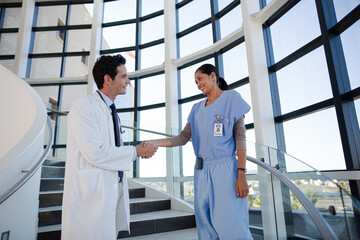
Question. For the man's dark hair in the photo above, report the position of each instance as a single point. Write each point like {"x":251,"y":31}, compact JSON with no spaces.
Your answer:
{"x":106,"y":64}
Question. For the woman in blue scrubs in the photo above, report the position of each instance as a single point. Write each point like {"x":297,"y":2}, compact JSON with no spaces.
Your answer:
{"x":216,"y":127}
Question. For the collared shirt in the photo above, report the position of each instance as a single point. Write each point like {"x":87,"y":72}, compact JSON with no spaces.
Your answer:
{"x":108,"y":102}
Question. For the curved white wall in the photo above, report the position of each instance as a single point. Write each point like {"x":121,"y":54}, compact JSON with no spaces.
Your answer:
{"x":16,"y":104}
{"x":22,"y":127}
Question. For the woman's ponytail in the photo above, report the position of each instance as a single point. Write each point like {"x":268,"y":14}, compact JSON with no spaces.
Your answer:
{"x":222,"y":84}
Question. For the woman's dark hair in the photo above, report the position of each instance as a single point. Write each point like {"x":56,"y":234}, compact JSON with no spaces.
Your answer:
{"x":208,"y":69}
{"x":106,"y":64}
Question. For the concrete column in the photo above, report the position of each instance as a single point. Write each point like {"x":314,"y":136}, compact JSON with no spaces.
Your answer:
{"x":95,"y":43}
{"x":24,"y":38}
{"x":274,"y":227}
{"x":171,"y":94}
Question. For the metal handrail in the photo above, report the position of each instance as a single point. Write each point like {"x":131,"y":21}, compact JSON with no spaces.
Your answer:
{"x":124,"y":126}
{"x":319,"y":221}
{"x":149,"y":131}
{"x":34,"y":169}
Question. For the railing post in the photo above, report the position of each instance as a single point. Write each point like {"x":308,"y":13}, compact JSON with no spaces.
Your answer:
{"x":24,"y":38}
{"x":173,"y":164}
{"x":95,"y":42}
{"x":263,"y":113}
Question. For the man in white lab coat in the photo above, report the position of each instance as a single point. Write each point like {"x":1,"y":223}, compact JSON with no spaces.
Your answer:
{"x":96,"y":198}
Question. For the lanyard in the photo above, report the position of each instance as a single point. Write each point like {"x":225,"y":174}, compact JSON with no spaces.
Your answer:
{"x":121,"y":131}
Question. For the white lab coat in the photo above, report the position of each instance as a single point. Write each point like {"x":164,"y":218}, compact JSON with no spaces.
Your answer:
{"x":91,"y":178}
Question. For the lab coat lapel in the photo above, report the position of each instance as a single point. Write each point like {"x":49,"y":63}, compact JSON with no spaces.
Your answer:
{"x":106,"y":115}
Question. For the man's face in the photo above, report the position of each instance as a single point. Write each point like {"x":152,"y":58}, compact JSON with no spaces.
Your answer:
{"x":120,"y":82}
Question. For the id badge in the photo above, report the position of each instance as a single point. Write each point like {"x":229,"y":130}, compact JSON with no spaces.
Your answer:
{"x":218,"y":129}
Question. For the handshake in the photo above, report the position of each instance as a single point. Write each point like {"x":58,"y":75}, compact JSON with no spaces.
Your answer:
{"x":146,"y":149}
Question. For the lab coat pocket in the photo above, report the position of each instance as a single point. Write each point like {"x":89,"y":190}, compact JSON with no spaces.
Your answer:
{"x":91,"y":184}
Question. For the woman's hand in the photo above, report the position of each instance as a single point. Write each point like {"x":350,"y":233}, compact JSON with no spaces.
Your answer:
{"x":242,"y":188}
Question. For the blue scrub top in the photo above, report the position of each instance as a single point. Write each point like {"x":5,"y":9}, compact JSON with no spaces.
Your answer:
{"x":227,"y":109}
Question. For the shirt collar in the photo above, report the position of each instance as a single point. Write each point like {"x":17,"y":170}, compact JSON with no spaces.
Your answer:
{"x":107,"y":100}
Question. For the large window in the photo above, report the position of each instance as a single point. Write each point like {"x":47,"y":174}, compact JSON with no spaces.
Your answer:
{"x":350,"y":42}
{"x":60,"y":30}
{"x":293,"y":31}
{"x":304,"y":82}
{"x":315,"y":139}
{"x":9,"y":25}
{"x":200,"y":31}
{"x":313,"y":70}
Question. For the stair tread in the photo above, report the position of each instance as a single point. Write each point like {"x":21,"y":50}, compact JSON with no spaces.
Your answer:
{"x":49,"y":228}
{"x":131,"y":200}
{"x":183,"y":234}
{"x":159,"y":215}
{"x":146,"y":199}
{"x":50,"y":209}
{"x":55,"y":159}
{"x":51,"y":166}
{"x":45,"y":178}
{"x":62,"y":191}
{"x":137,"y":217}
{"x":51,"y":192}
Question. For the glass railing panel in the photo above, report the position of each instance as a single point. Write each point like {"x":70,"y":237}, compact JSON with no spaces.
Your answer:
{"x":351,"y":212}
{"x":322,"y":191}
{"x":183,"y":160}
{"x":160,"y":185}
{"x":189,"y":191}
{"x":293,"y":222}
{"x":151,"y":171}
{"x":260,"y":198}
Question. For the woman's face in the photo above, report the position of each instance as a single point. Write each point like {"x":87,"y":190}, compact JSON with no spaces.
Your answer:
{"x":205,"y":82}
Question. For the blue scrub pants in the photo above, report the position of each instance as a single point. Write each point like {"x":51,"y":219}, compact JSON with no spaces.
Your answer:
{"x":219,"y":212}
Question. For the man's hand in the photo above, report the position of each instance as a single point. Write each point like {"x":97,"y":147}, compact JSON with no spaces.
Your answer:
{"x":146,"y":150}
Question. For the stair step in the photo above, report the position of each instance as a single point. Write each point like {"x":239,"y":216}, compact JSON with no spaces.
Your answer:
{"x":136,"y":192}
{"x":140,"y":224}
{"x":50,"y":228}
{"x":184,"y":234}
{"x":158,"y":222}
{"x":50,"y":214}
{"x":165,"y":214}
{"x":53,"y":184}
{"x":50,"y":198}
{"x":52,"y":172}
{"x":51,"y":162}
{"x":49,"y":184}
{"x":54,"y":197}
{"x":52,"y":232}
{"x":57,"y":183}
{"x":144,"y":205}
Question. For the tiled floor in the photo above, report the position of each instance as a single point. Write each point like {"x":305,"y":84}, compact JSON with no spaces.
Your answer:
{"x":187,"y":234}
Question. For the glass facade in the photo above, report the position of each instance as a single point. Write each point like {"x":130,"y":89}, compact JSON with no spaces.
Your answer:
{"x":304,"y":82}
{"x":309,"y":78}
{"x":9,"y":27}
{"x":293,"y":31}
{"x":312,"y":63}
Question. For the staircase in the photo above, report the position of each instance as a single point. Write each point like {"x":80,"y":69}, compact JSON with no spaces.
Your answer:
{"x":148,"y":215}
